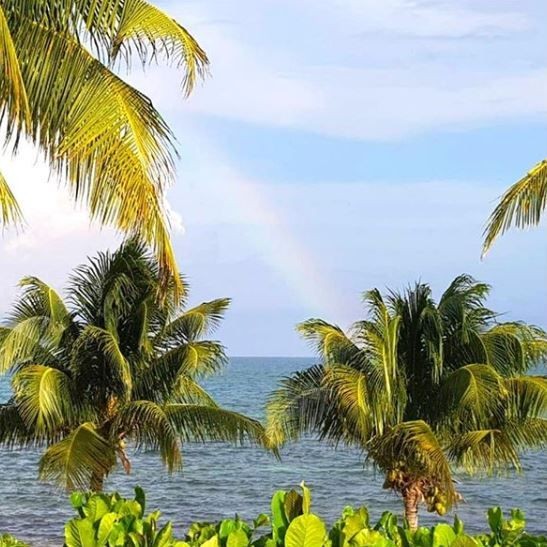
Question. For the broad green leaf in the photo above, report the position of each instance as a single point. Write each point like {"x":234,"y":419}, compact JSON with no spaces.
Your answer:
{"x":80,"y":533}
{"x":165,"y":536}
{"x":305,"y":531}
{"x":306,"y":498}
{"x":237,"y":538}
{"x":105,"y":528}
{"x":213,"y":542}
{"x":443,"y":535}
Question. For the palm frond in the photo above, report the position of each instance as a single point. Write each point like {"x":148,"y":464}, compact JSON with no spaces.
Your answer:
{"x":521,"y":206}
{"x":26,"y":341}
{"x":10,"y":213}
{"x":417,"y":446}
{"x":302,"y":404}
{"x":527,"y":397}
{"x":14,"y":105}
{"x":472,"y":394}
{"x":202,"y":423}
{"x":148,"y":424}
{"x":44,"y":398}
{"x":95,"y":340}
{"x":73,"y":461}
{"x":196,"y":322}
{"x":484,"y":450}
{"x":13,"y":430}
{"x":147,"y":31}
{"x":330,"y":341}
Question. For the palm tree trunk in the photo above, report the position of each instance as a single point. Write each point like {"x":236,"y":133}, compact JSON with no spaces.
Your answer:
{"x":411,"y":499}
{"x":97,"y":482}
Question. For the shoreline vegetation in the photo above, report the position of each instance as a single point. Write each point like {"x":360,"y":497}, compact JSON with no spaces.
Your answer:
{"x":110,"y":520}
{"x":421,"y":386}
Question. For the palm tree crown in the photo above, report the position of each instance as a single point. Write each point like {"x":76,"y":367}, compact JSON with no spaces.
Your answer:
{"x":58,"y":89}
{"x":420,"y":385}
{"x":116,"y":362}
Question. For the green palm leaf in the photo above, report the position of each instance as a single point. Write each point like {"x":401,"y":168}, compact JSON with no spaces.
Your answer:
{"x":44,"y":398}
{"x":73,"y":461}
{"x":521,"y":206}
{"x":10,"y":213}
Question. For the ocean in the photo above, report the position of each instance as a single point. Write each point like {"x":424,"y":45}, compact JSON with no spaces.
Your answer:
{"x":220,"y":481}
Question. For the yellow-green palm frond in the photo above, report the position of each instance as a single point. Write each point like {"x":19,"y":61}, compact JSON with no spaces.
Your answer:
{"x":302,"y":404}
{"x":355,"y":400}
{"x":44,"y":398}
{"x":484,"y":451}
{"x":146,"y":31}
{"x":330,"y":341}
{"x":527,"y":397}
{"x":13,"y":430}
{"x":14,"y":104}
{"x":472,"y":394}
{"x":415,"y":444}
{"x":202,"y":423}
{"x":148,"y":424}
{"x":26,"y":341}
{"x":521,"y":206}
{"x":73,"y":461}
{"x":196,"y":322}
{"x":95,"y":340}
{"x":104,"y":137}
{"x":10,"y":212}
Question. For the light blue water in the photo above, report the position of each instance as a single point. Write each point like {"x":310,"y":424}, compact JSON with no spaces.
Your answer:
{"x":220,"y":480}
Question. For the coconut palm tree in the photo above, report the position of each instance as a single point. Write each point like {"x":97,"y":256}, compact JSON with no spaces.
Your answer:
{"x":115,"y":363}
{"x":106,"y":141}
{"x":521,"y":206}
{"x":422,"y":387}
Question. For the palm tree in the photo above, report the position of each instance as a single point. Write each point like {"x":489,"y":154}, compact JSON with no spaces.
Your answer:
{"x":114,"y":363}
{"x":522,"y":205}
{"x":58,"y":89}
{"x":422,"y":387}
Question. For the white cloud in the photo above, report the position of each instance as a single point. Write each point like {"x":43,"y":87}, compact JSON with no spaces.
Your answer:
{"x":351,"y":69}
{"x":56,"y":237}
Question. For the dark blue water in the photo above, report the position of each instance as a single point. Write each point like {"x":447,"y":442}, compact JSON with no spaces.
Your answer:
{"x":220,"y":480}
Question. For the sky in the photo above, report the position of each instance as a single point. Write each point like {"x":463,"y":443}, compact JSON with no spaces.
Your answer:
{"x":336,"y":146}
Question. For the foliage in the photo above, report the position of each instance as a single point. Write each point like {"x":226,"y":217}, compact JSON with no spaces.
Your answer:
{"x":109,"y":520}
{"x":6,"y":540}
{"x":522,"y":205}
{"x":60,"y":89}
{"x":114,"y":363}
{"x":421,"y":386}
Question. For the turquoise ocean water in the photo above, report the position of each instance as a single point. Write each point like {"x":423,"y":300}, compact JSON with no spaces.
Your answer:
{"x":220,"y":480}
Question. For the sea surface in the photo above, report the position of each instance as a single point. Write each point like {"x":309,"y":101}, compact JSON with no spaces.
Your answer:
{"x":219,"y":480}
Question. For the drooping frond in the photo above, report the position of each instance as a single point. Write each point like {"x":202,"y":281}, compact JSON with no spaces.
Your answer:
{"x":471,"y":395}
{"x":148,"y":424}
{"x":147,"y":31}
{"x":299,"y":405}
{"x":10,"y":213}
{"x":205,"y":423}
{"x":527,"y":397}
{"x":521,"y":206}
{"x":106,"y":139}
{"x":13,"y":97}
{"x":416,"y":445}
{"x":13,"y":431}
{"x":356,"y":403}
{"x":73,"y":461}
{"x":44,"y":399}
{"x":484,"y":450}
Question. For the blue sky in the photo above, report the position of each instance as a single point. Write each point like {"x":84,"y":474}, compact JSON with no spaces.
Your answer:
{"x":337,"y":146}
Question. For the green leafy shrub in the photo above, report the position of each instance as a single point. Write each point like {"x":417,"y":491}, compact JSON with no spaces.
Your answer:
{"x":6,"y":540}
{"x":112,"y":521}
